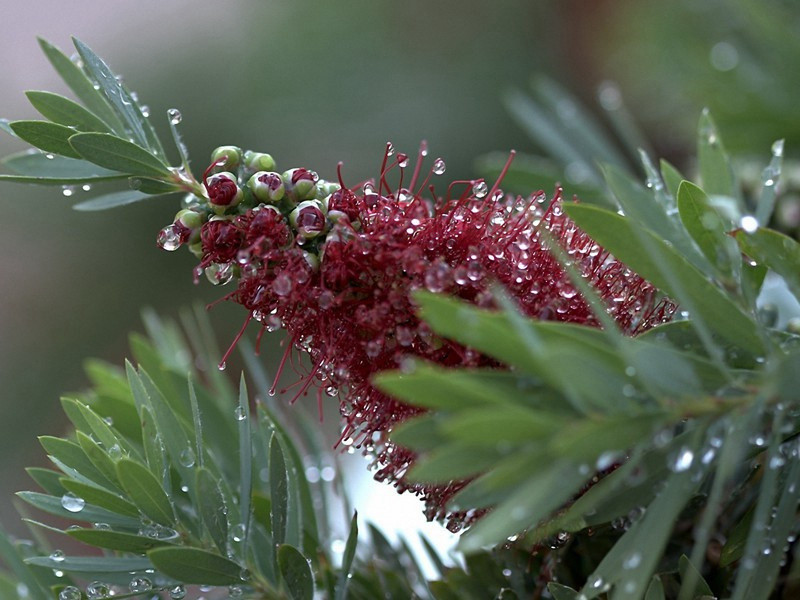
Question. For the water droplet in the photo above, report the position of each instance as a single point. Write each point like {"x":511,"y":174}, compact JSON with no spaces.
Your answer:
{"x":70,"y":593}
{"x":632,"y":561}
{"x":177,"y":592}
{"x":724,"y":56}
{"x":49,"y":156}
{"x":140,"y":584}
{"x":327,"y":473}
{"x":57,"y":556}
{"x":749,"y":224}
{"x":145,"y":110}
{"x":609,"y":96}
{"x":174,"y":115}
{"x":402,"y":160}
{"x":237,"y":532}
{"x":67,"y":190}
{"x":187,"y":457}
{"x":169,"y":239}
{"x":98,"y":589}
{"x":222,"y":366}
{"x":389,"y":149}
{"x":439,"y":166}
{"x":240,"y":413}
{"x":235,"y":591}
{"x":72,"y":503}
{"x":682,"y":461}
{"x":480,"y":189}
{"x":282,"y":285}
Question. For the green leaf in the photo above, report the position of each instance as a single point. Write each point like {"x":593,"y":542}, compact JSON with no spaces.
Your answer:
{"x":92,"y":564}
{"x":655,"y":591}
{"x":672,"y":177}
{"x":101,"y":498}
{"x":38,"y":164}
{"x":113,"y":200}
{"x":689,"y":573}
{"x":776,"y":251}
{"x":14,"y":560}
{"x":32,"y":180}
{"x":245,"y":459}
{"x":279,"y":490}
{"x":769,"y":184}
{"x":64,"y":111}
{"x":145,"y":491}
{"x":347,"y":559}
{"x":542,"y":492}
{"x":650,"y":257}
{"x":49,"y":137}
{"x":88,"y":514}
{"x":80,"y":84}
{"x":120,"y":99}
{"x":73,"y":456}
{"x":115,"y":540}
{"x":212,"y":508}
{"x":296,"y":573}
{"x":195,"y":566}
{"x":117,"y":154}
{"x":48,"y":480}
{"x":561,"y":592}
{"x":708,"y":228}
{"x":715,"y":168}
{"x":100,"y":459}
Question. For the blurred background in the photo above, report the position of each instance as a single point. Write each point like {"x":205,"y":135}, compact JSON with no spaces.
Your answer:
{"x":314,"y":83}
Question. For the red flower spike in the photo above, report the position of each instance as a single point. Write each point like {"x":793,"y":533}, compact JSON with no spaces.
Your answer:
{"x":337,"y":272}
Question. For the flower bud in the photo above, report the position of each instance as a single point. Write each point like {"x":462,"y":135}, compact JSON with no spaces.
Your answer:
{"x":190,"y":219}
{"x":308,"y":219}
{"x":223,"y":191}
{"x":258,"y":161}
{"x":312,"y":260}
{"x":266,"y":186}
{"x":300,"y":183}
{"x":227,"y":157}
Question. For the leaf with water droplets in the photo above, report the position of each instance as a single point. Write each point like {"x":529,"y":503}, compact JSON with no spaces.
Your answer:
{"x":47,"y":479}
{"x":39,"y":164}
{"x":664,"y":267}
{"x":80,"y":85}
{"x":245,"y":459}
{"x":114,"y":200}
{"x":769,"y":184}
{"x":13,"y":560}
{"x":347,"y":559}
{"x":145,"y":491}
{"x":776,"y":251}
{"x":64,"y":111}
{"x":195,"y":566}
{"x":73,"y":456}
{"x":100,"y":459}
{"x":296,"y":573}
{"x":88,"y":514}
{"x":116,"y":540}
{"x":716,"y":173}
{"x":710,"y":230}
{"x":211,"y":507}
{"x":114,"y":153}
{"x":49,"y":137}
{"x":100,"y":497}
{"x":92,"y":564}
{"x":279,"y":492}
{"x":120,"y":99}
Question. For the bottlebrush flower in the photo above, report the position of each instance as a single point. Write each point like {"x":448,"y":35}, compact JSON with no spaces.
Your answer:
{"x":336,"y":267}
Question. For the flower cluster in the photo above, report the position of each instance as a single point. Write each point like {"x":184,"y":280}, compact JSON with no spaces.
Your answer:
{"x":336,"y":268}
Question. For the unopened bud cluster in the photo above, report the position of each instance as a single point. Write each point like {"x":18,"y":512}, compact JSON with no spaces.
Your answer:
{"x":243,"y":190}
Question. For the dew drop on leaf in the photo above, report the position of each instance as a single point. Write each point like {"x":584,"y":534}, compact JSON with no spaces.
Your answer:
{"x":72,"y":503}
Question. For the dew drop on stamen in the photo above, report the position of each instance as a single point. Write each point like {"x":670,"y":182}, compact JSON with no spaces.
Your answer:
{"x":480,"y":189}
{"x":402,"y":160}
{"x":389,"y":149}
{"x":439,"y":167}
{"x":174,"y":115}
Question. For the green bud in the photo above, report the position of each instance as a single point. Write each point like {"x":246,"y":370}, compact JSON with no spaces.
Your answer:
{"x":267,"y":186}
{"x":308,"y":219}
{"x":189,"y":218}
{"x":258,"y":161}
{"x":231,"y":155}
{"x":300,"y":183}
{"x":312,"y":260}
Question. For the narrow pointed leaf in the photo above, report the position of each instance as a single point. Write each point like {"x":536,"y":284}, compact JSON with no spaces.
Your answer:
{"x":64,"y":111}
{"x":49,"y":137}
{"x":115,"y":540}
{"x":145,"y":491}
{"x":101,"y":498}
{"x":296,"y":573}
{"x":715,"y":168}
{"x":347,"y":559}
{"x":117,"y":154}
{"x":40,"y":164}
{"x":113,"y":200}
{"x":92,"y":564}
{"x":212,"y":508}
{"x":279,"y":490}
{"x":776,"y":251}
{"x":195,"y":566}
{"x":88,"y":514}
{"x":81,"y":85}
